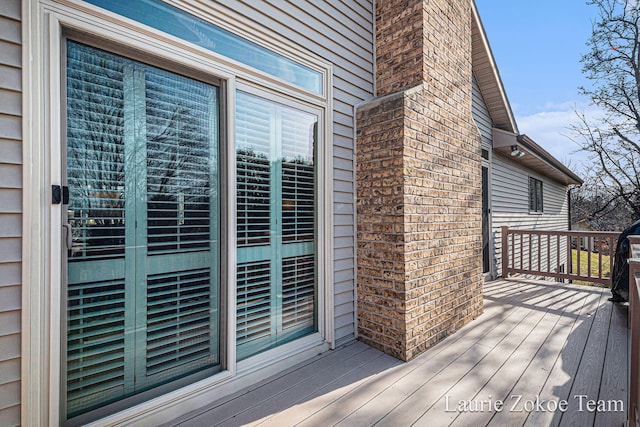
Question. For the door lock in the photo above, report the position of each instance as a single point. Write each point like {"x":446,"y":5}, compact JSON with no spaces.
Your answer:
{"x":59,"y":194}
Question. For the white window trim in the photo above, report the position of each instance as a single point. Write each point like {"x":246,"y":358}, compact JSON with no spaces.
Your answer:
{"x":43,"y":21}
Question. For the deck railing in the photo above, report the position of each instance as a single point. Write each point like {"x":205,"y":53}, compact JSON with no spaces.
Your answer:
{"x":634,"y":325}
{"x":549,"y":254}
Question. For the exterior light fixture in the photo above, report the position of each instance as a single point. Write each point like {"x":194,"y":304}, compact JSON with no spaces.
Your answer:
{"x":516,"y":152}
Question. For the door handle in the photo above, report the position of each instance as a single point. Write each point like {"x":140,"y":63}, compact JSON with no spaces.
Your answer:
{"x":68,"y":236}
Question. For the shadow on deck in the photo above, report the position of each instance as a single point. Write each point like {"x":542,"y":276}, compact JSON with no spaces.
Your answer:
{"x":555,"y":354}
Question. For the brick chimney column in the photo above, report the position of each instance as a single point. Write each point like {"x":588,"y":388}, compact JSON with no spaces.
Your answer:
{"x":419,"y":181}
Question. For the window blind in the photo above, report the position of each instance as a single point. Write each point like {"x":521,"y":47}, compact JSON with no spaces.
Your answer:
{"x":142,"y":291}
{"x":276,"y":208}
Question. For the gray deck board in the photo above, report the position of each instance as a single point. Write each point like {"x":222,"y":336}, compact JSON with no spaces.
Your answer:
{"x":587,"y":379}
{"x":614,"y":384}
{"x":535,"y":339}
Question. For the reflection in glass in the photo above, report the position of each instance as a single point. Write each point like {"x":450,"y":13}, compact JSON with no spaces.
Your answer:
{"x":179,"y":23}
{"x":276,"y":227}
{"x":143,"y":270}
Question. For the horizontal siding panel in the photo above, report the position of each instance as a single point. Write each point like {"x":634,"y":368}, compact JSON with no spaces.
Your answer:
{"x":340,"y":152}
{"x":11,"y":298}
{"x":10,"y":126}
{"x":343,"y":186}
{"x":326,"y":21}
{"x":346,"y":320}
{"x":9,"y":394}
{"x":343,"y":242}
{"x":343,"y":108}
{"x":344,"y":142}
{"x":10,"y":9}
{"x":344,"y":335}
{"x":481,"y":116}
{"x":353,"y":12}
{"x":10,"y":151}
{"x":11,"y":200}
{"x":10,"y":29}
{"x":364,"y":4}
{"x":346,"y":95}
{"x":10,"y":250}
{"x":344,"y":298}
{"x":341,"y":219}
{"x":345,"y":287}
{"x":10,"y":102}
{"x":9,"y":371}
{"x":344,"y":230}
{"x":342,"y":197}
{"x":343,"y":164}
{"x":10,"y":176}
{"x":10,"y":274}
{"x":343,"y":309}
{"x":10,"y":225}
{"x":11,"y":53}
{"x":343,"y":120}
{"x":10,"y":78}
{"x":10,"y":417}
{"x":9,"y":322}
{"x":356,"y":93}
{"x":361,"y":7}
{"x":10,"y":347}
{"x":340,"y":265}
{"x":343,"y":208}
{"x":343,"y":130}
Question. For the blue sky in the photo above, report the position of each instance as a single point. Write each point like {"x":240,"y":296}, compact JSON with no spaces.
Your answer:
{"x":537,"y":46}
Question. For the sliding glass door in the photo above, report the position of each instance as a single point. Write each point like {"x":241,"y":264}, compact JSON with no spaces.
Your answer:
{"x":142,"y":166}
{"x":143,"y":290}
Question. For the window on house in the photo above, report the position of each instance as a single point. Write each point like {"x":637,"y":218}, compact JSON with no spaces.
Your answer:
{"x":535,"y":195}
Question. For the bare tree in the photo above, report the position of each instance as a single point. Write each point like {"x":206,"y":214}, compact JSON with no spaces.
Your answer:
{"x":612,"y":63}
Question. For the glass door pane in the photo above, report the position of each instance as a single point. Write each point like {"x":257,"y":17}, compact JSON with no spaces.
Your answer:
{"x":143,"y":269}
{"x":276,"y":220}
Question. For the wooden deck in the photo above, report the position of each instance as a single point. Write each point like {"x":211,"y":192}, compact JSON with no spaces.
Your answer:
{"x":537,"y":342}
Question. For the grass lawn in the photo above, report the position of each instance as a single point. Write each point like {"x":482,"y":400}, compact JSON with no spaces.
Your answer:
{"x":584,"y":266}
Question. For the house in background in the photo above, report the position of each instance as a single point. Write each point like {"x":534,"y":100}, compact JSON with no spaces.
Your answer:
{"x":583,"y":225}
{"x":196,"y":196}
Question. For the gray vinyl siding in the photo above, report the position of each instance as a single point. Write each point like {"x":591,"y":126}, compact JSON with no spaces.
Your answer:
{"x":509,"y":190}
{"x":340,"y":32}
{"x":510,"y":203}
{"x":481,"y":116}
{"x":10,"y":210}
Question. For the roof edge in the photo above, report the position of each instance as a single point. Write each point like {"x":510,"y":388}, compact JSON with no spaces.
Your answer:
{"x":533,"y":146}
{"x":494,"y":68}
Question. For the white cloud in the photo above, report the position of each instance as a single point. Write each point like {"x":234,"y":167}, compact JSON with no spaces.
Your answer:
{"x":550,"y":129}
